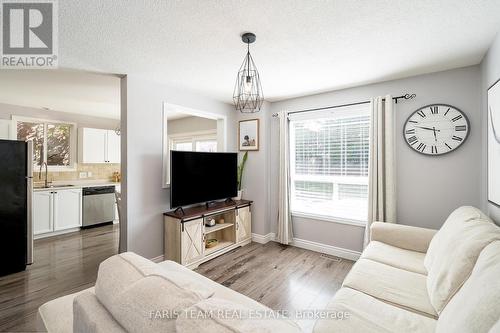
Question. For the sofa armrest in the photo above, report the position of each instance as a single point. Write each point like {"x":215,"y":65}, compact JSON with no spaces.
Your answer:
{"x":402,"y":236}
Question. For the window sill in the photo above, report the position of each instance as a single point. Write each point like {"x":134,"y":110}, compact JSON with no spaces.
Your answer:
{"x":329,"y":219}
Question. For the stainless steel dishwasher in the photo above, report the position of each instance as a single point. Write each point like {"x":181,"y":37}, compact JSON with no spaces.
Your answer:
{"x":98,"y":205}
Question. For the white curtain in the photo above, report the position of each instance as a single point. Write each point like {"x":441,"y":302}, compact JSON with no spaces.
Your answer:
{"x":285,"y":234}
{"x":381,"y":171}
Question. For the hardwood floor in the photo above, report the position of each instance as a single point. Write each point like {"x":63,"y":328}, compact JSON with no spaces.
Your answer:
{"x":62,"y":265}
{"x":280,"y":277}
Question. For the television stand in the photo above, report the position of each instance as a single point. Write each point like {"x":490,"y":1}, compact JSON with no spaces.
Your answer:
{"x":186,"y":235}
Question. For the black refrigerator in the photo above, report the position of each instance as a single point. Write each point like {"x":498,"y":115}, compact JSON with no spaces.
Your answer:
{"x":16,"y":190}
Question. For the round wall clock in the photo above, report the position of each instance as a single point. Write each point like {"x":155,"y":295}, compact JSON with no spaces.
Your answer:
{"x":436,"y":129}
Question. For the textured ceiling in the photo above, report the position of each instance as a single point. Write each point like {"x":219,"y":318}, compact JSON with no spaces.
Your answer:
{"x":302,"y":47}
{"x":68,"y":91}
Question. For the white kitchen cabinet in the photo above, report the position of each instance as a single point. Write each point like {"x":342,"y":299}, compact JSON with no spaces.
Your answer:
{"x":56,"y":210}
{"x":42,"y":212}
{"x":67,"y":209}
{"x":5,"y":126}
{"x":98,"y":146}
{"x":113,"y":147}
{"x":92,"y":145}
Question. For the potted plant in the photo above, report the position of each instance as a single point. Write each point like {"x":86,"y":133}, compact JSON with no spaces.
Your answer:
{"x":241,"y":167}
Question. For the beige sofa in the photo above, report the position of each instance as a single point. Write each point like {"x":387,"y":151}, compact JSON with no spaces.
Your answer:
{"x":418,"y":280}
{"x":407,"y":280}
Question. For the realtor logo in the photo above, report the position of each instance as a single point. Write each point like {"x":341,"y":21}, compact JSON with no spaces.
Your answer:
{"x":29,"y":34}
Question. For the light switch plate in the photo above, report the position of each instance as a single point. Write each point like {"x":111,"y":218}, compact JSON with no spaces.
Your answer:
{"x":89,"y":174}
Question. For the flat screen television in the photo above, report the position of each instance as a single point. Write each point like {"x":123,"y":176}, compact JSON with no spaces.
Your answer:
{"x":197,"y":177}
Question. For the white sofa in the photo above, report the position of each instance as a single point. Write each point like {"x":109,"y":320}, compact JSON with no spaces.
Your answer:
{"x":408,"y":279}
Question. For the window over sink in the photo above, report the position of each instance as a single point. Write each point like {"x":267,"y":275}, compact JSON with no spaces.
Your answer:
{"x":54,"y":142}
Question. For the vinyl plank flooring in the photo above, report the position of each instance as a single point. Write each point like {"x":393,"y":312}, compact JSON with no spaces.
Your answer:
{"x":284,"y":278}
{"x":280,"y":277}
{"x":62,"y":265}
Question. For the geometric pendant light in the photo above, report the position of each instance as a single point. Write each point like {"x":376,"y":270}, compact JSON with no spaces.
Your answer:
{"x":247,"y":94}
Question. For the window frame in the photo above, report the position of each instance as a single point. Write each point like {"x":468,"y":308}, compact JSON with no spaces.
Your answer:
{"x":72,"y":141}
{"x":186,"y":137}
{"x":291,"y":141}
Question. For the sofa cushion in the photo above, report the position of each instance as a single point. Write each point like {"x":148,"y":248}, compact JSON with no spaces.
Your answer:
{"x":142,"y":296}
{"x":454,"y":250}
{"x":89,"y":315}
{"x":475,"y":307}
{"x":364,"y":313}
{"x":219,"y":290}
{"x":396,"y":257}
{"x":394,"y":285}
{"x":215,"y":315}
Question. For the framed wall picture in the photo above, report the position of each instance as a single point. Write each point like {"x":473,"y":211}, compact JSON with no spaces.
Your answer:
{"x":494,"y":143}
{"x":248,"y":134}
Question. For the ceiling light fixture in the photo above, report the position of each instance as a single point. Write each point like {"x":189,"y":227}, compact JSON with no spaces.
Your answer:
{"x":247,"y":95}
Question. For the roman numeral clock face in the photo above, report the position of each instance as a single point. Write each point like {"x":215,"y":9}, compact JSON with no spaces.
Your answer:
{"x":436,"y":129}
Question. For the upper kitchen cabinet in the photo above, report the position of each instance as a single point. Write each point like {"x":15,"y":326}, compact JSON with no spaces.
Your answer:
{"x":98,"y":146}
{"x":113,"y":147}
{"x":5,"y":129}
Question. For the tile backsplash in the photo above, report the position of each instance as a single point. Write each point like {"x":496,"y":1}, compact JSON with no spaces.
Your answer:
{"x":99,"y":171}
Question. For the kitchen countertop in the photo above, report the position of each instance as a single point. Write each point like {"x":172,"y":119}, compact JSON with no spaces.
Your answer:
{"x":72,"y":184}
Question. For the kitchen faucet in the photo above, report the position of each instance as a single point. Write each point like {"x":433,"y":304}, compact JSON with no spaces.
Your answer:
{"x":46,"y":173}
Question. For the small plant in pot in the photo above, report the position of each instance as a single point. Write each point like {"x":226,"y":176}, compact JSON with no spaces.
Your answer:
{"x":241,"y":167}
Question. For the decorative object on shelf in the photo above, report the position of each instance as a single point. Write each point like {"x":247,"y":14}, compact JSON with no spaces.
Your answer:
{"x":436,"y":129}
{"x":494,"y":143}
{"x":248,"y":135}
{"x":247,"y":95}
{"x":220,"y":221}
{"x":210,"y":222}
{"x":241,"y":168}
{"x":211,"y":243}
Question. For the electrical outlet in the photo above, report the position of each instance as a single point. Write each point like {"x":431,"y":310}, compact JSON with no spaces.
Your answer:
{"x":89,"y":174}
{"x":83,"y":175}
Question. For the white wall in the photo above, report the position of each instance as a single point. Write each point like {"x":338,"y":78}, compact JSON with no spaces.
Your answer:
{"x":144,"y":198}
{"x":490,"y":70}
{"x":428,"y":188}
{"x":190,"y":124}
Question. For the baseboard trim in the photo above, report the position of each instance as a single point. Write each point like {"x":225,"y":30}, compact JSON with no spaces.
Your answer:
{"x":327,"y":249}
{"x":263,"y":239}
{"x":158,"y":259}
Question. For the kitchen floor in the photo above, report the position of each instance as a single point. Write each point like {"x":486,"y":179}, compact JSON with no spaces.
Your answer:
{"x":62,"y":265}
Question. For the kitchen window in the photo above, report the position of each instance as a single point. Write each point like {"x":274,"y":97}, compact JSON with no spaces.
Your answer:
{"x":329,"y":153}
{"x":53,"y":142}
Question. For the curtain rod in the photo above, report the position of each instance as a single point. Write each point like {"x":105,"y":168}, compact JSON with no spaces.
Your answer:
{"x":405,"y":96}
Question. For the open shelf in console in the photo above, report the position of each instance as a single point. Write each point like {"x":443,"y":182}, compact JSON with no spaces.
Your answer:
{"x":217,"y":227}
{"x":220,"y":246}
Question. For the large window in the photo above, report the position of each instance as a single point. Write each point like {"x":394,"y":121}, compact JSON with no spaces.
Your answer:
{"x":53,"y":142}
{"x":329,"y":153}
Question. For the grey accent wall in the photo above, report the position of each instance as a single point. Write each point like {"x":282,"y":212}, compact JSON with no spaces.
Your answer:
{"x":256,"y":182}
{"x":190,"y":124}
{"x":490,"y":73}
{"x":145,"y":199}
{"x":7,"y":110}
{"x":428,"y":188}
